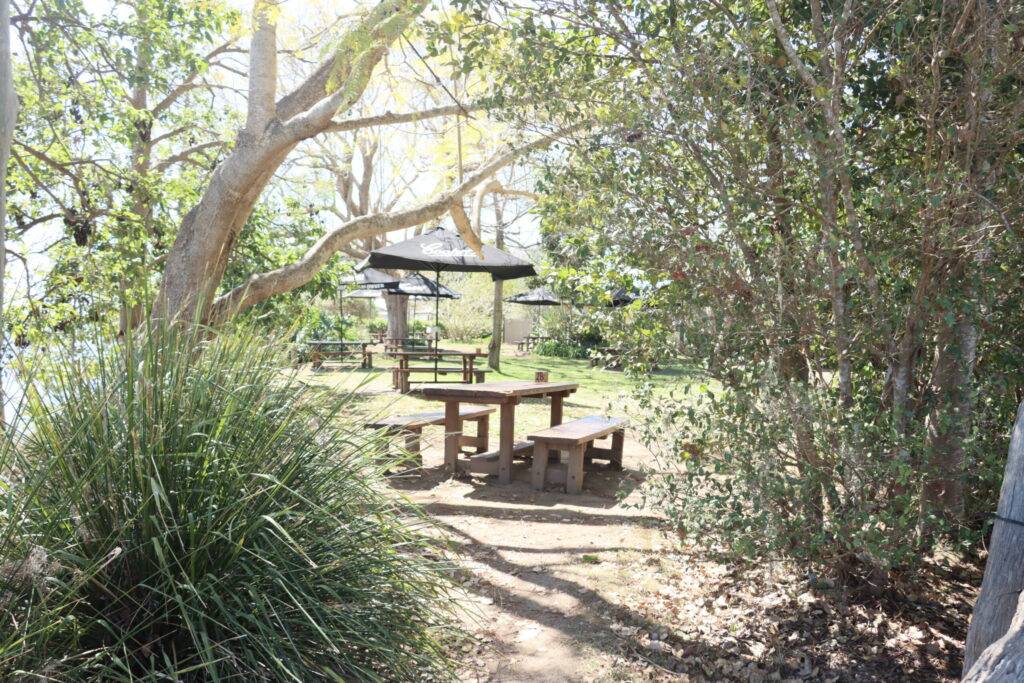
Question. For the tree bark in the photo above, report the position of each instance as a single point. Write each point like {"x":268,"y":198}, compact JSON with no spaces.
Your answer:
{"x":1003,"y":660}
{"x":1004,"y":571}
{"x":398,"y":316}
{"x":8,"y":114}
{"x":197,"y":260}
{"x":498,"y":318}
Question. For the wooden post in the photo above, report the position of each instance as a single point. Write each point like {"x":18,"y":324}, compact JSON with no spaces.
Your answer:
{"x":452,"y":434}
{"x":617,"y":440}
{"x":412,"y":444}
{"x":539,"y":472}
{"x":574,"y":470}
{"x":556,"y":408}
{"x":483,"y":433}
{"x":556,"y":419}
{"x":1004,"y":570}
{"x":506,"y":441}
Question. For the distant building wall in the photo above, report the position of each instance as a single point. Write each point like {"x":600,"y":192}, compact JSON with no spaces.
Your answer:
{"x":516,"y":329}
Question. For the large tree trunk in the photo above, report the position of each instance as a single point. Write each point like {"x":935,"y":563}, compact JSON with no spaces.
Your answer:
{"x":197,"y":260}
{"x":8,"y":114}
{"x":498,"y":319}
{"x":1003,"y":660}
{"x":398,"y":316}
{"x":1004,"y":571}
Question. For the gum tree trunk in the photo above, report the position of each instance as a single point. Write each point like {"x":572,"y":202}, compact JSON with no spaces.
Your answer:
{"x":398,"y":316}
{"x":498,"y":319}
{"x":8,"y":114}
{"x":1004,"y":571}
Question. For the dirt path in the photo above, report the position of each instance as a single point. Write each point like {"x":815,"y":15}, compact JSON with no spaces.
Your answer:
{"x":543,"y":569}
{"x":589,"y":588}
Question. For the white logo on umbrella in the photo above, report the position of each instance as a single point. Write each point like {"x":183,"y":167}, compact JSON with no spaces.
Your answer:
{"x":438,"y":249}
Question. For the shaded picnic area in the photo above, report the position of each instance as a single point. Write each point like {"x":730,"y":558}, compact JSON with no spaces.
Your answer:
{"x":591,"y":587}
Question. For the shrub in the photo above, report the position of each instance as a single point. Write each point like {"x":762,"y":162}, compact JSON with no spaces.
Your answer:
{"x":556,"y":348}
{"x":324,"y":326}
{"x":377,"y":326}
{"x":181,"y":508}
{"x":419,"y":328}
{"x":733,"y":469}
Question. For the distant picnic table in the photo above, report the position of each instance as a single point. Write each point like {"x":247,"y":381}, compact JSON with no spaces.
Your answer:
{"x":530,"y":341}
{"x":321,"y":350}
{"x":432,"y":362}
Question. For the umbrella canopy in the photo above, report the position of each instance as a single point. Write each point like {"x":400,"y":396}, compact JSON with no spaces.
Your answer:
{"x":539,"y":296}
{"x":624,"y":297}
{"x":364,"y":293}
{"x":443,"y":251}
{"x":371,"y":278}
{"x":415,"y":284}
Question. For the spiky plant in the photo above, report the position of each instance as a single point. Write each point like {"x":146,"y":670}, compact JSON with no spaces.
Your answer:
{"x":180,"y":507}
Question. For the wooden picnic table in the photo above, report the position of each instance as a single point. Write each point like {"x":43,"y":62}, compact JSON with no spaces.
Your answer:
{"x":401,"y":380}
{"x":530,"y":341}
{"x":325,"y":349}
{"x":506,"y":395}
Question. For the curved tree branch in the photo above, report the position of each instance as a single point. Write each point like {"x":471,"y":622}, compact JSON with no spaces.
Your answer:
{"x":262,"y":286}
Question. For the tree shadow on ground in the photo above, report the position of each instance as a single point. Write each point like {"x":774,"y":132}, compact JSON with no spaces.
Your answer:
{"x":603,"y":486}
{"x":599,"y":622}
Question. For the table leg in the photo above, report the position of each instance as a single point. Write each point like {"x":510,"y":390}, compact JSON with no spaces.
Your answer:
{"x":506,"y":441}
{"x":556,"y":419}
{"x":412,"y":444}
{"x":556,"y":409}
{"x":405,"y":375}
{"x":574,"y":470}
{"x":452,"y":435}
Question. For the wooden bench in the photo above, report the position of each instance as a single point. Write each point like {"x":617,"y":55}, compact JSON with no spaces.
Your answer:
{"x":577,"y":439}
{"x":411,"y":426}
{"x":480,"y":374}
{"x":530,"y":341}
{"x":320,"y":351}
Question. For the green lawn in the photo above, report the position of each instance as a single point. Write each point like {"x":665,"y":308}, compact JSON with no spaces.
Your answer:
{"x":601,"y":391}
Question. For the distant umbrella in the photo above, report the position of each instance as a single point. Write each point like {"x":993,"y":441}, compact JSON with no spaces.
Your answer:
{"x":624,"y":297}
{"x":366,"y":280}
{"x":364,"y":293}
{"x":371,"y":278}
{"x":415,"y":284}
{"x":539,"y":296}
{"x":442,"y":251}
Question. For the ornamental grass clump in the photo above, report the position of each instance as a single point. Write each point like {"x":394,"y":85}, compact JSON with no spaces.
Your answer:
{"x":180,"y":507}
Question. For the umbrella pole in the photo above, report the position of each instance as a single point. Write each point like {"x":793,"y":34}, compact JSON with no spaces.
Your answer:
{"x":437,"y":317}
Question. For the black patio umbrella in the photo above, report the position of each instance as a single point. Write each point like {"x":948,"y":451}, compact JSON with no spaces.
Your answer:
{"x":538,"y":296}
{"x":624,"y":297}
{"x":415,"y":284}
{"x":366,"y":280}
{"x":371,"y":278}
{"x":443,"y":251}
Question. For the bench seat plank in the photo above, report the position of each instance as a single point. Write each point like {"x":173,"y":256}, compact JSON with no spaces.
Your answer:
{"x":424,"y":368}
{"x":577,"y":432}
